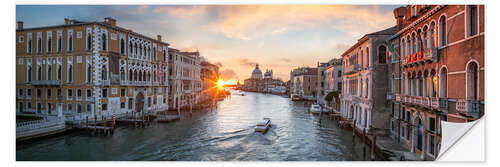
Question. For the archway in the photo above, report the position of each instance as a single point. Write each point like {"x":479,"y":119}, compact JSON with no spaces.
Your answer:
{"x":139,"y":102}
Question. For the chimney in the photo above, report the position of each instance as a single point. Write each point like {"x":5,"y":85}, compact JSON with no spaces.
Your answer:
{"x":110,"y":21}
{"x":399,"y":14}
{"x":20,"y":25}
{"x":158,"y":37}
{"x":66,"y":21}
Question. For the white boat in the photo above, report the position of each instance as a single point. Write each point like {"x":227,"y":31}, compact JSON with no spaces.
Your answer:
{"x":315,"y":109}
{"x":263,"y":126}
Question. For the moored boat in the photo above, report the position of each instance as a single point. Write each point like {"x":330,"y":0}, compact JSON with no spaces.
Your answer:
{"x":315,"y":109}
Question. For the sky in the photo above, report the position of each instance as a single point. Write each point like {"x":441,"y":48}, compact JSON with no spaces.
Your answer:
{"x":236,"y":37}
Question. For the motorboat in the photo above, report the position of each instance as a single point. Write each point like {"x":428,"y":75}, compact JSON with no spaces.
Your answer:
{"x":315,"y":109}
{"x":263,"y":125}
{"x":296,"y":97}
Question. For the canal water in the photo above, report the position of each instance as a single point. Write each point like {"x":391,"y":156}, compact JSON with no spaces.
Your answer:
{"x":224,"y":134}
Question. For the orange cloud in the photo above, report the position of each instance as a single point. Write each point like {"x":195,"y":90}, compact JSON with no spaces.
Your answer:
{"x":182,"y":11}
{"x":257,"y":21}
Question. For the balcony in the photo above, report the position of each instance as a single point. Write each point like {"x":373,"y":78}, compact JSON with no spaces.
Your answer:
{"x":355,"y":99}
{"x":390,"y":96}
{"x":399,"y":97}
{"x":90,"y":99}
{"x":124,"y":82}
{"x":46,"y":82}
{"x":431,"y":54}
{"x":468,"y":107}
{"x":59,"y":97}
{"x":352,"y":69}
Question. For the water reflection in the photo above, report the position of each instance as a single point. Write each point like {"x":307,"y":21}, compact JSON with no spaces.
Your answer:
{"x":223,"y":134}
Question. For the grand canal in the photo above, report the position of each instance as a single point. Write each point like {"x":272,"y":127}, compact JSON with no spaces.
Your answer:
{"x":223,"y":134}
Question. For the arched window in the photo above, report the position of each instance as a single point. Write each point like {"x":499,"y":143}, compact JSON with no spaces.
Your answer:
{"x":70,"y":43}
{"x":367,"y":87}
{"x":104,"y":73}
{"x":89,"y":42}
{"x":29,"y":74}
{"x":130,"y":77}
{"x":59,"y":44}
{"x":425,"y":38}
{"x":70,"y":73}
{"x":413,"y":43}
{"x":154,"y":53}
{"x":135,"y":76}
{"x":408,"y":45}
{"x":104,"y":42}
{"x":418,"y":41}
{"x":402,"y":48}
{"x":122,"y":46}
{"x":426,"y":85}
{"x":472,"y":81}
{"x":433,"y":92}
{"x":443,"y":82}
{"x":89,"y":73}
{"x":49,"y":72}
{"x":442,"y":31}
{"x":122,"y":74}
{"x":420,"y":85}
{"x":381,"y":54}
{"x":39,"y":73}
{"x":432,"y":36}
{"x":131,"y":47}
{"x":49,"y":44}
{"x":135,"y":46}
{"x":39,"y":45}
{"x":59,"y":72}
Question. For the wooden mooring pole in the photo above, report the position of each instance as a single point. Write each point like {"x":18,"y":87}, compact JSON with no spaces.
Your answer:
{"x":374,"y":142}
{"x":86,"y":123}
{"x":353,"y":131}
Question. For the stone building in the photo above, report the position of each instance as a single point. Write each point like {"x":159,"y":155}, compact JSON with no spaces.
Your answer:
{"x":209,"y":74}
{"x":94,"y":67}
{"x":303,"y":82}
{"x":365,"y":83}
{"x":184,"y":76}
{"x":333,"y":78}
{"x":440,"y":48}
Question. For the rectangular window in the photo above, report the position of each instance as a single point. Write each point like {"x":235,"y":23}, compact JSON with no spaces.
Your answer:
{"x":122,"y":92}
{"x":49,"y":41}
{"x":89,"y":93}
{"x":105,"y":92}
{"x":20,"y":93}
{"x":79,"y":94}
{"x":49,"y":93}
{"x":70,"y":94}
{"x":414,"y":11}
{"x":59,"y":93}
{"x":130,"y":100}
{"x":431,"y":145}
{"x":78,"y":107}
{"x":29,"y":43}
{"x":39,"y":42}
{"x":70,"y":107}
{"x":432,"y":124}
{"x":28,"y":105}
{"x":122,"y":105}
{"x":104,"y":106}
{"x":472,"y":20}
{"x":38,"y":93}
{"x":89,"y":107}
{"x":70,"y":40}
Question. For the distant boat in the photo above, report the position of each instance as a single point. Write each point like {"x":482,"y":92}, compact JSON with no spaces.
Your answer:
{"x":315,"y":109}
{"x":263,"y":126}
{"x":295,"y":97}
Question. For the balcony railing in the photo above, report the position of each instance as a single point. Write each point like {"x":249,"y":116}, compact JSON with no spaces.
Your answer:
{"x":90,"y":99}
{"x":352,"y":69}
{"x":105,"y":82}
{"x":46,"y":82}
{"x":124,"y":82}
{"x":468,"y":107}
{"x":427,"y":54}
{"x":430,"y":54}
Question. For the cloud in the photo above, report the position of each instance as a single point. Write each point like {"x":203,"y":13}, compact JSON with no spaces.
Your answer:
{"x":340,"y":48}
{"x":246,"y":62}
{"x":258,"y":21}
{"x":182,"y":11}
{"x":286,"y":60}
{"x":219,"y":64}
{"x":140,"y":9}
{"x":227,"y":74}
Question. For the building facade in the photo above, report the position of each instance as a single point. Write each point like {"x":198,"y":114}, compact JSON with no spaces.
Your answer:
{"x":89,"y":68}
{"x":441,"y":48}
{"x":184,"y":76}
{"x":303,"y":83}
{"x":209,"y":74}
{"x":365,"y":83}
{"x":333,"y":80}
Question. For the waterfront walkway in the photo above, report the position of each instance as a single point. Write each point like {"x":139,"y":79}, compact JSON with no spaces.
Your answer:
{"x":393,"y":151}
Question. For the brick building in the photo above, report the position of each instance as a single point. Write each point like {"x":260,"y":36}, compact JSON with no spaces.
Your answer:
{"x":440,"y":49}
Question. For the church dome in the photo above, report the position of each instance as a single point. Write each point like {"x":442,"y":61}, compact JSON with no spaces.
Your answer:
{"x":257,"y":74}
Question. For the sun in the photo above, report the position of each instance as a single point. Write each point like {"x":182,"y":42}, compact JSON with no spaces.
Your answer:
{"x":220,"y":83}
